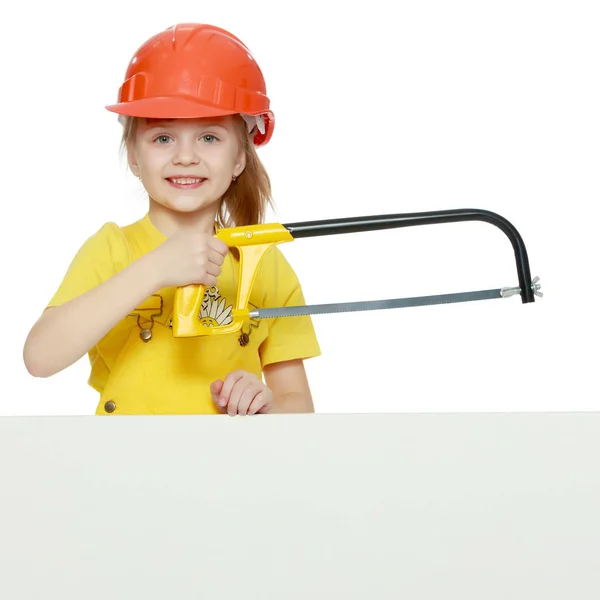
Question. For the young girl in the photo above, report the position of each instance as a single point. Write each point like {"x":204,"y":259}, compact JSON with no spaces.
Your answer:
{"x":193,"y":108}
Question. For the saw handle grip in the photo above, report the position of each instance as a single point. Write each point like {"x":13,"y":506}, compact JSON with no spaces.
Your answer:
{"x":187,"y":307}
{"x":252,"y":243}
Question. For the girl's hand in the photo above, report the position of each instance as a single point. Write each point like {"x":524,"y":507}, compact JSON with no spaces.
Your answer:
{"x":189,"y":258}
{"x":241,"y":393}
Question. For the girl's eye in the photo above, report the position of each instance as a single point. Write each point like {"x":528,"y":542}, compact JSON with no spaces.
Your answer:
{"x":209,"y":138}
{"x":162,"y":139}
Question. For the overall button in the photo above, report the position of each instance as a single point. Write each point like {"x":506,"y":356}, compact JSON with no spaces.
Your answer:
{"x":110,"y":406}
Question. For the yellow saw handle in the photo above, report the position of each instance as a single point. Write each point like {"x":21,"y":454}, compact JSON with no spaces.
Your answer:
{"x":252,"y":242}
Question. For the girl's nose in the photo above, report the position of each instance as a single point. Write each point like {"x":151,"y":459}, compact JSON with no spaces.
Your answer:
{"x":186,"y":154}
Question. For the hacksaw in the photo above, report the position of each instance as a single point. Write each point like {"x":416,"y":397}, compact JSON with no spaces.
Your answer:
{"x":253,"y":241}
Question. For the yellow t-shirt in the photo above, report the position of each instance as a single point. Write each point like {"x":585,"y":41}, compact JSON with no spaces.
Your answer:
{"x":169,"y":375}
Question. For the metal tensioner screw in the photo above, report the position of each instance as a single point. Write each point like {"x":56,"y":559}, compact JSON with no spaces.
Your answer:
{"x":506,"y":292}
{"x":513,"y":291}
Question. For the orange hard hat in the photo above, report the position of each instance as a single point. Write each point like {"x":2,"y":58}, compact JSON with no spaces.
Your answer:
{"x":195,"y":70}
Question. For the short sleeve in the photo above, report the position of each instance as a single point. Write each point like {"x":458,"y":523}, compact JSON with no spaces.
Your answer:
{"x":288,"y":338}
{"x":99,"y":258}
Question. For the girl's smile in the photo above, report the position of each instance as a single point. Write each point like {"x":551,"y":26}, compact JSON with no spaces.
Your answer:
{"x":182,"y":182}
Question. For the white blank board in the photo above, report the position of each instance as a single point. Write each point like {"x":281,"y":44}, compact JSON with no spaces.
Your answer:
{"x":419,"y":506}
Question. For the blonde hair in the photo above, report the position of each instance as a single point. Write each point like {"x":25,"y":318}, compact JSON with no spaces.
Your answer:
{"x":245,"y":201}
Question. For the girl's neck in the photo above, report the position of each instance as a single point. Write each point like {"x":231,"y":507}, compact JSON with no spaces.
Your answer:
{"x":168,"y":221}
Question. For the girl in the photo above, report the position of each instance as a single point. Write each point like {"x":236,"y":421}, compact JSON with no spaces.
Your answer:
{"x":193,"y":108}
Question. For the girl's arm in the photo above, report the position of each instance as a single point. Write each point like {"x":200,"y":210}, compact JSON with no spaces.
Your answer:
{"x":289,"y":384}
{"x":64,"y":334}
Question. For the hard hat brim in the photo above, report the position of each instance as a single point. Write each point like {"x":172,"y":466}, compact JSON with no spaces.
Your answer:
{"x":182,"y":108}
{"x":168,"y":108}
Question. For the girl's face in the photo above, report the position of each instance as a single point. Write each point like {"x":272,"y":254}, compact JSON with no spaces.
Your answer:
{"x":187,"y":165}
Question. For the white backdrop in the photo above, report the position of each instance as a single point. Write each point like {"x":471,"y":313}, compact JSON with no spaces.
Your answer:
{"x":380,"y":107}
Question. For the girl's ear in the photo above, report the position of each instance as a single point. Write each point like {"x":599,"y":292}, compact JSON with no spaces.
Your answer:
{"x":240,"y":165}
{"x":132,"y":162}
